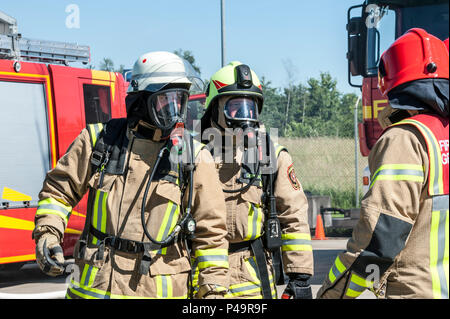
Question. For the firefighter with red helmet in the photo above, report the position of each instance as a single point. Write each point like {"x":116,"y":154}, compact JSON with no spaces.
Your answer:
{"x":399,"y":248}
{"x":267,"y":219}
{"x":151,"y":190}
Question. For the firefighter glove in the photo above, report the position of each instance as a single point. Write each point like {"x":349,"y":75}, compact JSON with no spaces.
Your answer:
{"x":49,"y":254}
{"x":298,"y":286}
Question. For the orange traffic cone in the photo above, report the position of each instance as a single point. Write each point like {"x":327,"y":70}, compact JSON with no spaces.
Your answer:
{"x":320,"y":232}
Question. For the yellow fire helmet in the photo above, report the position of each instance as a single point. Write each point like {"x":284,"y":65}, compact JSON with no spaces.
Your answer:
{"x":234,"y":79}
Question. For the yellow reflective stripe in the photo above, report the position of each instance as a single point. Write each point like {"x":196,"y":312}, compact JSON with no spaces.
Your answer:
{"x":94,"y":131}
{"x":88,"y":275}
{"x":336,"y":270}
{"x":278,"y":149}
{"x":168,"y":224}
{"x":220,"y":288}
{"x":399,"y":172}
{"x":305,"y":236}
{"x":209,"y":252}
{"x":439,"y":247}
{"x":196,"y":273}
{"x":211,"y":258}
{"x":296,"y":242}
{"x":100,"y":213}
{"x":357,"y":286}
{"x":197,"y":147}
{"x":164,"y":287}
{"x":92,"y":293}
{"x":54,"y":207}
{"x":83,"y":275}
{"x":255,"y":286}
{"x":436,"y":182}
{"x":242,"y":289}
{"x":352,"y":293}
{"x":296,"y":248}
{"x":254,"y":223}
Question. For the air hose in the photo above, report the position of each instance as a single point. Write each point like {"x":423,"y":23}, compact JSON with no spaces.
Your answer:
{"x":252,"y":180}
{"x":185,"y":222}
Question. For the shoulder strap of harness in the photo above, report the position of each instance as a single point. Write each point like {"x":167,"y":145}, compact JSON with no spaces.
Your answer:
{"x":105,"y":138}
{"x":109,"y":137}
{"x":268,"y":181}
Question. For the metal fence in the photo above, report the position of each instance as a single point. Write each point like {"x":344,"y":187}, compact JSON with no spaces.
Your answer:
{"x":327,"y":166}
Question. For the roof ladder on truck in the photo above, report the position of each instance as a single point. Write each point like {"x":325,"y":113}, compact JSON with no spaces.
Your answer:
{"x":13,"y":46}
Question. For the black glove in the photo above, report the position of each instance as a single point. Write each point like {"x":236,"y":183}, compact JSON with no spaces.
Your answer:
{"x":298,"y":286}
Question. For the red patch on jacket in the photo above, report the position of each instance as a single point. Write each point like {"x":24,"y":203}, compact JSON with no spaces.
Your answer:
{"x":292,"y":177}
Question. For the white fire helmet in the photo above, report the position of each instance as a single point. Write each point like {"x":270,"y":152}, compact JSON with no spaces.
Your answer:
{"x":154,"y":70}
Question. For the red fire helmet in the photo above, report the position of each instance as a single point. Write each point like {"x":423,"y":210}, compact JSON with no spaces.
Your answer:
{"x":415,"y":55}
{"x":446,"y":42}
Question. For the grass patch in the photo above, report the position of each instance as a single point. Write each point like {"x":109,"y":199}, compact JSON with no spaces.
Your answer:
{"x":326,"y":166}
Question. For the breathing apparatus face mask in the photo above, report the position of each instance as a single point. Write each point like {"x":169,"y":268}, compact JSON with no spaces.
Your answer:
{"x":167,"y":108}
{"x":241,"y":112}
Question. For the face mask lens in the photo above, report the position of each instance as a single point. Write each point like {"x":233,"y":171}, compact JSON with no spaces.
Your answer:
{"x":168,"y":107}
{"x":241,"y":109}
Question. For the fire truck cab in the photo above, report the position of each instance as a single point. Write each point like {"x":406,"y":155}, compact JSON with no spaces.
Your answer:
{"x":44,"y":105}
{"x":374,"y":27}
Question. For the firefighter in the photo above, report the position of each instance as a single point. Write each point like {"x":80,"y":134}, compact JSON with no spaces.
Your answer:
{"x":399,"y":248}
{"x":143,"y":205}
{"x":234,"y":102}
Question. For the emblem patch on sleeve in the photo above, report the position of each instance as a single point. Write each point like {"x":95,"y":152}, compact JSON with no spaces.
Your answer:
{"x":292,"y":177}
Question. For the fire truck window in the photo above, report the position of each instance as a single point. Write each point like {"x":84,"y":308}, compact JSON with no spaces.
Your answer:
{"x":379,"y":37}
{"x":97,"y":103}
{"x":24,"y":141}
{"x":194,"y":114}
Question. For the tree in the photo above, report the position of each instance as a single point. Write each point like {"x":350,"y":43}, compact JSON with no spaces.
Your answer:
{"x":107,"y":65}
{"x":188,"y":56}
{"x":317,"y":109}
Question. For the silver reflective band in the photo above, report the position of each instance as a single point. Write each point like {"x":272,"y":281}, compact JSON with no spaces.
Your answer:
{"x":157,"y":74}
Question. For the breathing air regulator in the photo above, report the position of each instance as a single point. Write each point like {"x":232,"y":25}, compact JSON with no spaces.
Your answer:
{"x":179,"y":144}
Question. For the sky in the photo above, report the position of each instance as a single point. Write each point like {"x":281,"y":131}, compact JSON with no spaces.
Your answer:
{"x":310,"y":36}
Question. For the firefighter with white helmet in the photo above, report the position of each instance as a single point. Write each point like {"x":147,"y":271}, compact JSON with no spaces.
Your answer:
{"x":399,"y":248}
{"x":266,"y":214}
{"x":153,"y":194}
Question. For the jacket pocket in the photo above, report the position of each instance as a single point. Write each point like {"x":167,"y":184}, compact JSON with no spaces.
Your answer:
{"x":169,"y":191}
{"x":167,"y":211}
{"x":252,"y":195}
{"x":87,"y":267}
{"x":168,"y":265}
{"x":251,"y":214}
{"x":106,"y":184}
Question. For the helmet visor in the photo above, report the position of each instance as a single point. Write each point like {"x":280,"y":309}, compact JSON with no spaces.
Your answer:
{"x":168,"y":107}
{"x":242,"y":109}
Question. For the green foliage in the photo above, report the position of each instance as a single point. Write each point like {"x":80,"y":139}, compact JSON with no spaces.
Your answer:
{"x":107,"y":64}
{"x":344,"y":199}
{"x":188,"y":56}
{"x":312,"y":110}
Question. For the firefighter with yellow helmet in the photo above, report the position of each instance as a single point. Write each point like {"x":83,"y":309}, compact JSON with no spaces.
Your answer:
{"x":267,"y":222}
{"x":399,"y":248}
{"x":151,"y":190}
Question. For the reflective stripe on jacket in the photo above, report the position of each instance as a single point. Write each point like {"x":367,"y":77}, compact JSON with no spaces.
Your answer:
{"x":399,"y":247}
{"x":116,"y":211}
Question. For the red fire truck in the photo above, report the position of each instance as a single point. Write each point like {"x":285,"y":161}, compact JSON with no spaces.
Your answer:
{"x":370,"y":32}
{"x":44,"y":105}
